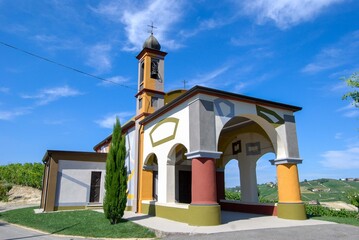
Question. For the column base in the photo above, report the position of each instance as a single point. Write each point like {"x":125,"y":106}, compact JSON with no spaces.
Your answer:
{"x":293,"y":211}
{"x":204,"y":215}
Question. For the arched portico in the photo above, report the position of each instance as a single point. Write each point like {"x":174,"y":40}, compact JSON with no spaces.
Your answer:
{"x":247,"y":138}
{"x":246,"y":141}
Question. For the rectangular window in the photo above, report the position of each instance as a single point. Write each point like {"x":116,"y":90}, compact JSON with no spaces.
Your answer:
{"x":154,"y":102}
{"x":95,"y":187}
{"x":142,"y":69}
{"x":140,"y":103}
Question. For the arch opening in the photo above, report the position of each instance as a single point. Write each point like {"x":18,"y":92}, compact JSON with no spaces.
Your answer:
{"x":245,"y":141}
{"x":266,"y":178}
{"x":232,"y":180}
{"x":179,"y":175}
{"x":151,"y":166}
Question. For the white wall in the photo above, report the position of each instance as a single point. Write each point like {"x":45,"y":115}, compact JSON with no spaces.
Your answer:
{"x":130,"y":164}
{"x":74,"y":181}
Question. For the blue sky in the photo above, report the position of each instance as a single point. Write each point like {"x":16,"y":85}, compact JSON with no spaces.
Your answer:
{"x":290,"y":51}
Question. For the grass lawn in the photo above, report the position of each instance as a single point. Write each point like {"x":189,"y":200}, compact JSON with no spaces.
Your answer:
{"x":79,"y":223}
{"x":343,"y":220}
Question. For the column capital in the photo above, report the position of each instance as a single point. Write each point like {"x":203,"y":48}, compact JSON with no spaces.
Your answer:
{"x":203,"y":154}
{"x":286,"y":161}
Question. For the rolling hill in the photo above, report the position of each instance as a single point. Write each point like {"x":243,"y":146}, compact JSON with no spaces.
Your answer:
{"x":322,"y":190}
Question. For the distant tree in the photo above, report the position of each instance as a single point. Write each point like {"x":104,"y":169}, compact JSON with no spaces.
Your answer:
{"x":116,"y":177}
{"x":353,"y":82}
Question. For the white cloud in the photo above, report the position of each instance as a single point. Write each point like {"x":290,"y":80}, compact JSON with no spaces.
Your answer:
{"x":338,"y":136}
{"x":99,"y":57}
{"x":210,"y":78}
{"x":4,"y":90}
{"x":53,"y":42}
{"x":240,"y":86}
{"x":285,"y":13}
{"x":113,"y":80}
{"x":52,"y":94}
{"x":337,"y":55}
{"x":339,"y":87}
{"x":341,"y":159}
{"x":349,"y":111}
{"x":109,"y":120}
{"x":207,"y":24}
{"x":8,"y":115}
{"x":136,"y":15}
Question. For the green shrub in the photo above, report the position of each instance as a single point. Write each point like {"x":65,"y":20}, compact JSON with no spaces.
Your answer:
{"x":4,"y":189}
{"x":232,"y":195}
{"x":28,"y":174}
{"x":353,"y":198}
{"x":266,"y":200}
{"x":320,"y":211}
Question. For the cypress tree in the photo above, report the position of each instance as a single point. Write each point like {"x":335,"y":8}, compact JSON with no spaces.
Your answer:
{"x":116,"y":177}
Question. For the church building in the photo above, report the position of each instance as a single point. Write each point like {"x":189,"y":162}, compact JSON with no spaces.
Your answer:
{"x":178,"y":145}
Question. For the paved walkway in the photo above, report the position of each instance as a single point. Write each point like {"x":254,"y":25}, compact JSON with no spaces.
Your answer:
{"x":234,"y":226}
{"x":316,"y":232}
{"x":231,"y":221}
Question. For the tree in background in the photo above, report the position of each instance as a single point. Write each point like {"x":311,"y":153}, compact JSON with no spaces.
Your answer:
{"x":116,"y":177}
{"x":353,"y":82}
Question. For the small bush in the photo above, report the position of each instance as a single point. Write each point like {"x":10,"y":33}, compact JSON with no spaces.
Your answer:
{"x":265,"y":200}
{"x":232,"y":195}
{"x":320,"y":211}
{"x":4,"y":189}
{"x":353,"y":198}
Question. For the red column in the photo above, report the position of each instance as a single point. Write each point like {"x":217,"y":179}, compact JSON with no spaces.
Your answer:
{"x":204,"y":189}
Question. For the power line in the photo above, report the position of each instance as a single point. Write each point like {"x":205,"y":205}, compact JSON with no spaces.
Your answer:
{"x":64,"y":66}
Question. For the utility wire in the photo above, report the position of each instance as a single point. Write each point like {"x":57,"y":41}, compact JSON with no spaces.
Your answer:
{"x":65,"y":66}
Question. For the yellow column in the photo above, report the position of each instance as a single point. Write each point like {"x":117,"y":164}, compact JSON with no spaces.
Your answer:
{"x":290,"y":205}
{"x":145,"y":181}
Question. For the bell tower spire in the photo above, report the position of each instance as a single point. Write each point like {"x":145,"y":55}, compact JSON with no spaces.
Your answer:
{"x":150,"y":95}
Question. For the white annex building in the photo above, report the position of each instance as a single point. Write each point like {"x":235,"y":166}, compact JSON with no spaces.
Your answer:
{"x":178,"y":145}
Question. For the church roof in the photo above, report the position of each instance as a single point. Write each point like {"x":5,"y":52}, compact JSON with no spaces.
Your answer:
{"x":214,"y":92}
{"x":152,"y":43}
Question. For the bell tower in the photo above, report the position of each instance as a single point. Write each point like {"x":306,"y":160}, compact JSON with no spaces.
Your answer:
{"x":150,"y":97}
{"x":150,"y":93}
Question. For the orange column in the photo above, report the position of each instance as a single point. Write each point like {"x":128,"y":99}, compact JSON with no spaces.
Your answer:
{"x":290,"y":205}
{"x":204,"y":190}
{"x":288,"y":183}
{"x":145,"y":178}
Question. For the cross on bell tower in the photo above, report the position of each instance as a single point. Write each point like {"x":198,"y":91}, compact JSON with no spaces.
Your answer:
{"x":152,"y":27}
